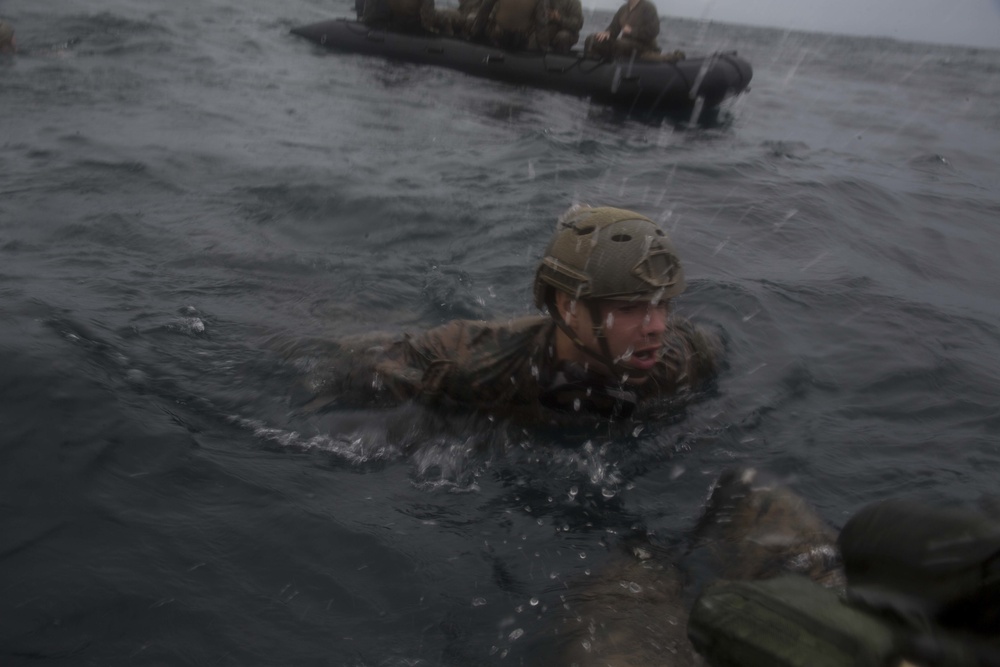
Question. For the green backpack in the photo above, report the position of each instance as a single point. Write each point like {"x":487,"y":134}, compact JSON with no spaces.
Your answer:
{"x":788,"y":622}
{"x":928,"y":565}
{"x":923,"y":584}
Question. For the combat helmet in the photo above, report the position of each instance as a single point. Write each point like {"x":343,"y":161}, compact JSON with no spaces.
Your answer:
{"x":606,"y":253}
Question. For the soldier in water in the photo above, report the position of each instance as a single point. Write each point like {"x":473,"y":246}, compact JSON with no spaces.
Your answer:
{"x":609,"y":346}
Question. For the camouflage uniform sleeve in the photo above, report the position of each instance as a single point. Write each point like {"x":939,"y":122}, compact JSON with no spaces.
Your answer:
{"x":572,"y":16}
{"x":647,"y":25}
{"x":693,"y":354}
{"x":615,"y":26}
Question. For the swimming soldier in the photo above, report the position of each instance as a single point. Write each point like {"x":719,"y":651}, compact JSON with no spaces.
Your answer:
{"x":609,"y":346}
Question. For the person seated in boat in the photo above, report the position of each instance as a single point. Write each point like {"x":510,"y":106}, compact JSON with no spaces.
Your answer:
{"x":460,"y":21}
{"x":631,"y":33}
{"x":511,"y":25}
{"x":407,"y":16}
{"x":560,"y":29}
{"x":8,"y":45}
{"x":609,"y":346}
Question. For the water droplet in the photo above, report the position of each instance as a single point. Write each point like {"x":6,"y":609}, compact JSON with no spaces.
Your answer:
{"x":609,"y":321}
{"x":634,"y":587}
{"x":573,"y":491}
{"x":608,"y":493}
{"x":533,"y":602}
{"x":516,"y":634}
{"x":583,"y":555}
{"x":576,"y":404}
{"x":478,"y":602}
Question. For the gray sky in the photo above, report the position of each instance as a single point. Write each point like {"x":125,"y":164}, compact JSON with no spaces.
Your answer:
{"x":966,"y":22}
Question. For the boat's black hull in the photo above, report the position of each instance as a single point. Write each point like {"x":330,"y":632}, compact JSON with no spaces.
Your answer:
{"x":641,"y":85}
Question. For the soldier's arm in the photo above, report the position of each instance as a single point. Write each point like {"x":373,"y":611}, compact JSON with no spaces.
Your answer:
{"x":696,"y":352}
{"x":647,"y":27}
{"x":572,"y":16}
{"x":615,"y":27}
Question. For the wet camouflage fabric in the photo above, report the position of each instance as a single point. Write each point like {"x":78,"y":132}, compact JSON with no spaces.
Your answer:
{"x":504,"y":369}
{"x":559,"y":34}
{"x":645,"y":23}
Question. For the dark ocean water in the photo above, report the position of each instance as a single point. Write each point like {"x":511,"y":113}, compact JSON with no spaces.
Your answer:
{"x":185,"y":189}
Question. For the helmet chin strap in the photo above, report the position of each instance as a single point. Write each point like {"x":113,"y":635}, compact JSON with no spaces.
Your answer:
{"x":603,"y":356}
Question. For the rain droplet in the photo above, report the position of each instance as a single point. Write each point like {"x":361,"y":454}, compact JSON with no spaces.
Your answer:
{"x":516,"y":634}
{"x":608,"y":493}
{"x":478,"y":602}
{"x":576,"y":404}
{"x":533,"y":602}
{"x":634,"y":587}
{"x":573,"y":491}
{"x":583,"y":555}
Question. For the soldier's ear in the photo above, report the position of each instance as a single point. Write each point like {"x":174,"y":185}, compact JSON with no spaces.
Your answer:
{"x":566,"y":305}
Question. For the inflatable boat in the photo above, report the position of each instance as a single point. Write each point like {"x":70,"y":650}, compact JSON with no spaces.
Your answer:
{"x":647,"y":86}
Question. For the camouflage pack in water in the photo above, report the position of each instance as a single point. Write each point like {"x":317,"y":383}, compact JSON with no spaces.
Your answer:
{"x":785,"y":622}
{"x":927,"y":565}
{"x":923,"y":585}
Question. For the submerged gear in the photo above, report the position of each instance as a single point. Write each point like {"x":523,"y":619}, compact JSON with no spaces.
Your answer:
{"x":923,"y":585}
{"x":606,"y":254}
{"x":784,"y":622}
{"x":926,"y":564}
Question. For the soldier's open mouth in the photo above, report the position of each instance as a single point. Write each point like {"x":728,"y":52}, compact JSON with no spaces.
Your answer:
{"x":644,"y":359}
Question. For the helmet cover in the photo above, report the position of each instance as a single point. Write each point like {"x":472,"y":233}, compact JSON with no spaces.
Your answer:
{"x":609,"y":253}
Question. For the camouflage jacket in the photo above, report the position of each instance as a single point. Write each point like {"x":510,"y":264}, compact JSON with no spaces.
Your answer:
{"x":503,"y":369}
{"x":644,"y":20}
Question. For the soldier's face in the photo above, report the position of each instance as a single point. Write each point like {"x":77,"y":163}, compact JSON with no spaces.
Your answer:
{"x":633,"y":329}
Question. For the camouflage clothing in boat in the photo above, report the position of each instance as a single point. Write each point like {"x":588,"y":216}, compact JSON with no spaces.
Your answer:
{"x":560,"y":26}
{"x":644,"y":26}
